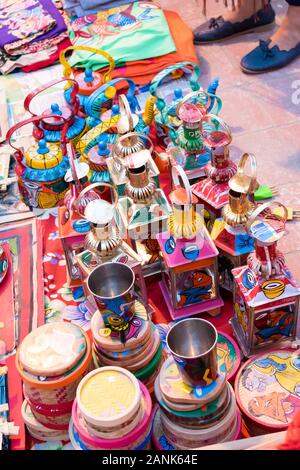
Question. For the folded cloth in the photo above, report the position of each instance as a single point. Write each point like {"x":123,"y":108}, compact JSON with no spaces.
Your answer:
{"x":130,"y":32}
{"x":24,"y":60}
{"x":37,"y":45}
{"x":58,"y":27}
{"x":143,"y":71}
{"x":80,"y":7}
{"x":23,"y":20}
{"x":51,"y":59}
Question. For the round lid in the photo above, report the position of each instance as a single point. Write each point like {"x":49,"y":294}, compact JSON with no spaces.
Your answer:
{"x":52,"y":349}
{"x":43,"y":155}
{"x":267,"y":388}
{"x":180,"y":197}
{"x":99,"y":212}
{"x":242,"y":183}
{"x":108,"y":396}
{"x":82,"y":170}
{"x":267,"y":231}
{"x":88,"y":81}
{"x":190,"y":112}
{"x":60,"y":111}
{"x":137,"y":159}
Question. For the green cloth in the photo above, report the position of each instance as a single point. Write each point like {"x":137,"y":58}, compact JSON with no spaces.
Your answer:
{"x":128,"y":33}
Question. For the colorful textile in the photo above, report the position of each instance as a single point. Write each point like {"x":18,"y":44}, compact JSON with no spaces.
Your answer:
{"x":58,"y":27}
{"x":23,"y":20}
{"x":50,"y":59}
{"x":132,"y":32}
{"x":82,"y":7}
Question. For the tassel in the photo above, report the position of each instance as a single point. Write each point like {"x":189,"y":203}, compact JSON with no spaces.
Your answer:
{"x":204,"y":8}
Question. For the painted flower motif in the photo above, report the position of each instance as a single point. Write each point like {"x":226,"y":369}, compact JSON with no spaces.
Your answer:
{"x":53,"y":235}
{"x":78,"y":314}
{"x":54,"y":258}
{"x":54,"y":309}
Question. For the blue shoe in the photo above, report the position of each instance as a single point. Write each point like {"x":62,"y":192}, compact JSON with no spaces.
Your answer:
{"x":264,"y":59}
{"x":217,"y":29}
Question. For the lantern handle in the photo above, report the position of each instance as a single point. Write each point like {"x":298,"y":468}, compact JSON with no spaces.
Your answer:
{"x":253,"y":175}
{"x":192,"y":95}
{"x":214,"y":117}
{"x":36,"y":119}
{"x":179,"y":171}
{"x":125,"y":111}
{"x":67,"y":69}
{"x":74,"y":98}
{"x":262,"y":207}
{"x":88,"y":188}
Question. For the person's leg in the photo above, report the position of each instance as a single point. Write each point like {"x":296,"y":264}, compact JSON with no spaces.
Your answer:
{"x":246,"y":16}
{"x":281,"y":49}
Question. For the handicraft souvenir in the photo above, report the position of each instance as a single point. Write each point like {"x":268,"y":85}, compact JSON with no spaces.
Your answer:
{"x":112,"y":411}
{"x":88,"y":80}
{"x":51,"y":361}
{"x":41,"y":168}
{"x":51,"y":127}
{"x":229,"y":233}
{"x":212,"y":191}
{"x":266,"y":297}
{"x":187,"y":147}
{"x":189,"y":257}
{"x":267,"y":390}
{"x":196,"y":404}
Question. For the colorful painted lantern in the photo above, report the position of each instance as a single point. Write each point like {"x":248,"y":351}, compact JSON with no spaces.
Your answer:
{"x":88,"y":80}
{"x":212,"y":191}
{"x":229,"y":233}
{"x":189,"y":257}
{"x":41,"y":168}
{"x":72,"y":226}
{"x":105,"y":239}
{"x":52,"y":126}
{"x":266,"y":297}
{"x":145,"y":206}
{"x":187,"y":148}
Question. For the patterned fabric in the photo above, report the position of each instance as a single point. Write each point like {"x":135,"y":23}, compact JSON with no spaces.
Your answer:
{"x":23,"y":20}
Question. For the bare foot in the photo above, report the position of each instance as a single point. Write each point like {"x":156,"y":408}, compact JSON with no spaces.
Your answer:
{"x":288,"y":34}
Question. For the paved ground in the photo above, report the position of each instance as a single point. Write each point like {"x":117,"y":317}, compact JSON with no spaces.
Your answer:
{"x":262,"y":111}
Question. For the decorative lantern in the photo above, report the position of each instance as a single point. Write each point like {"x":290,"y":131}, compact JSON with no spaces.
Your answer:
{"x":88,"y":80}
{"x":266,"y":297}
{"x":42,"y":167}
{"x":229,"y":233}
{"x":145,"y":206}
{"x":189,"y":257}
{"x":129,"y":144}
{"x":165,"y":117}
{"x":193,"y":155}
{"x":105,"y":239}
{"x":52,"y":126}
{"x":212,"y":191}
{"x":72,"y":226}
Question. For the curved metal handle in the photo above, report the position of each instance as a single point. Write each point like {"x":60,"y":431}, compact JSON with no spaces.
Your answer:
{"x":213,"y":117}
{"x":37,"y":91}
{"x":253,"y":165}
{"x":67,"y":69}
{"x":93,"y":186}
{"x":132,"y":134}
{"x":125,"y":111}
{"x":262,"y":207}
{"x":194,"y":94}
{"x":179,"y":171}
{"x":37,"y":119}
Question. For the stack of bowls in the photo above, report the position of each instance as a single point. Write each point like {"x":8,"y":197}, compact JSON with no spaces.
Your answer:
{"x":196,"y":404}
{"x":51,"y":361}
{"x":141,"y":354}
{"x":112,"y":411}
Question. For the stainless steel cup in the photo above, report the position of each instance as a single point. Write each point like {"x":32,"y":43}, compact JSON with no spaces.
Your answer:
{"x":193,"y":345}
